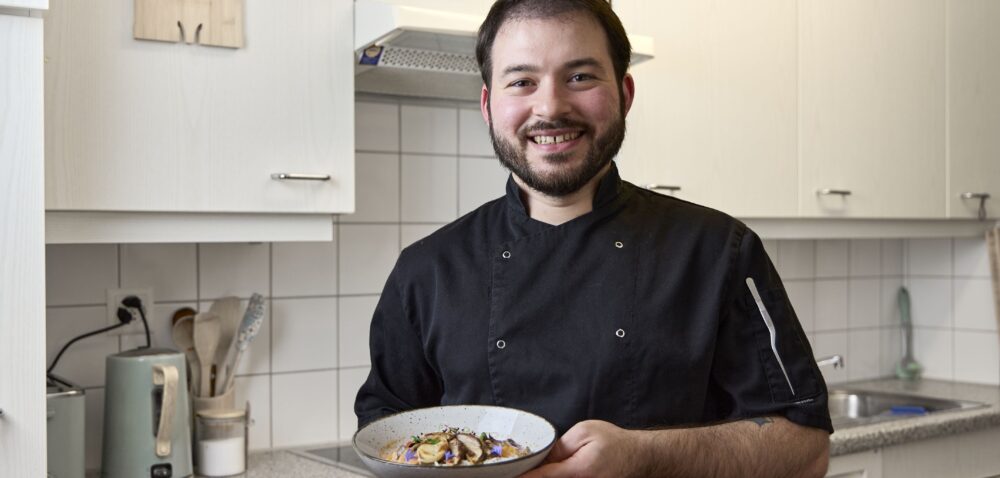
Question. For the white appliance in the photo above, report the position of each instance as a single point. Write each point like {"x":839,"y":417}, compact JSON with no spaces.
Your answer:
{"x":412,"y":51}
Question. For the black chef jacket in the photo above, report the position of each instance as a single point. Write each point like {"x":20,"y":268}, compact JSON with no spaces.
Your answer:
{"x":637,"y":313}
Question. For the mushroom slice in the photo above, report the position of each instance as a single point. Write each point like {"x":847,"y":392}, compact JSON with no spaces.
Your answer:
{"x":473,"y":447}
{"x":457,"y":452}
{"x":431,"y":453}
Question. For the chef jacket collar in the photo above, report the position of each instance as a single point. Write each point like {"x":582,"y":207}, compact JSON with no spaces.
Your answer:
{"x":608,"y":189}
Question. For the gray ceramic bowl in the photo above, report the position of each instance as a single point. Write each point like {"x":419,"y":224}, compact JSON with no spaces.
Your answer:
{"x":525,"y":428}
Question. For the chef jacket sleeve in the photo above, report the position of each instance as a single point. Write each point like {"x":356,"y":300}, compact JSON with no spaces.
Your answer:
{"x":750,"y":376}
{"x":401,"y":377}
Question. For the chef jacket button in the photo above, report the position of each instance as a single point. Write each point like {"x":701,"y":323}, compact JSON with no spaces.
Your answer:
{"x":620,"y":333}
{"x":501,"y":344}
{"x":619,"y":244}
{"x":506,"y":254}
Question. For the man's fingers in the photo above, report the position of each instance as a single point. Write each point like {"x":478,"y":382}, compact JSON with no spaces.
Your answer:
{"x":559,"y":453}
{"x":568,"y":444}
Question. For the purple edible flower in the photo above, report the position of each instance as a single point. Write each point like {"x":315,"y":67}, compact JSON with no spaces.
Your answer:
{"x":496,"y":450}
{"x":410,"y":455}
{"x":448,"y":455}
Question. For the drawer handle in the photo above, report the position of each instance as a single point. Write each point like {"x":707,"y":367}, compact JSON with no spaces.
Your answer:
{"x":982,"y":197}
{"x":664,"y":187}
{"x":300,"y":177}
{"x":834,"y":192}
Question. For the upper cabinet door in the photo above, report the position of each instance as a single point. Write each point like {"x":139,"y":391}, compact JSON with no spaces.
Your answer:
{"x":872,"y":79}
{"x":22,"y":235}
{"x":136,"y":125}
{"x":715,"y":111}
{"x":973,"y":106}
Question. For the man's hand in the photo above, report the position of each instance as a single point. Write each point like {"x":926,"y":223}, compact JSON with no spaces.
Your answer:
{"x":758,"y":447}
{"x":595,"y":449}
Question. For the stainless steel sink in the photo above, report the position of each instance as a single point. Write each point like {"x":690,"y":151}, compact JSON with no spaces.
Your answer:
{"x":857,"y":407}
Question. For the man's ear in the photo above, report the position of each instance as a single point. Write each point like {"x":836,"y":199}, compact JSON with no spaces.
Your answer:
{"x":484,"y":104}
{"x":628,"y":91}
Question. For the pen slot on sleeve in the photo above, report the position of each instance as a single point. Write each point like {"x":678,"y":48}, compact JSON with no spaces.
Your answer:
{"x":770,"y":329}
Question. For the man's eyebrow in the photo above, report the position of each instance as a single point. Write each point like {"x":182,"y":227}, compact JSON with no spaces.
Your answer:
{"x":522,"y":68}
{"x":570,"y":65}
{"x":589,"y":61}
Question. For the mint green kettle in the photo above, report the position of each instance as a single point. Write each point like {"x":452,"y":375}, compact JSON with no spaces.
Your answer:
{"x":146,"y":416}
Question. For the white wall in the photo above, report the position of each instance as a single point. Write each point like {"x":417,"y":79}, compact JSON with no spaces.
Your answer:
{"x":956,"y":328}
{"x":421,"y":165}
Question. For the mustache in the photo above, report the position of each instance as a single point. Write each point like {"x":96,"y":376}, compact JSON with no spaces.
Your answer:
{"x":557,"y":124}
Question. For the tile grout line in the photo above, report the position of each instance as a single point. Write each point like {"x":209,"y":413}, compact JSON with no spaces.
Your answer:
{"x":458,"y":163}
{"x":337,"y":385}
{"x":848,"y":368}
{"x":118,"y":260}
{"x":399,"y":186}
{"x":270,"y":344}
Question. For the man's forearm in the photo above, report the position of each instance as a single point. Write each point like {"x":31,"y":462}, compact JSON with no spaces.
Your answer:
{"x":766,"y":446}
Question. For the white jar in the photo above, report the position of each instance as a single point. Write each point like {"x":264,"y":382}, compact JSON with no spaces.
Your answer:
{"x":221,"y":442}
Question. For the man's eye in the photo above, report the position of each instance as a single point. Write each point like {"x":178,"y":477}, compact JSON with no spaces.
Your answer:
{"x":580,"y":77}
{"x":520,"y":83}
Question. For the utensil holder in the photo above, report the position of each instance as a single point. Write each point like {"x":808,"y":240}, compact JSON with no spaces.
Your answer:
{"x":226,"y":400}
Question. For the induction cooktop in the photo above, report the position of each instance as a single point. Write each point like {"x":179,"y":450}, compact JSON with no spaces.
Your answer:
{"x":339,"y":456}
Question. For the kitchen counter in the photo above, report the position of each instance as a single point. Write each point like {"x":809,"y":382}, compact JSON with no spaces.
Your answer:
{"x":879,"y":435}
{"x":285,"y":464}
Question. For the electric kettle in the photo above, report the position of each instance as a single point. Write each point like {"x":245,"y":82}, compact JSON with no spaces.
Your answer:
{"x":147,"y":418}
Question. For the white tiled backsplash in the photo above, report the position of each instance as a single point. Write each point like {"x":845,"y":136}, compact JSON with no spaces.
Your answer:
{"x":419,"y":166}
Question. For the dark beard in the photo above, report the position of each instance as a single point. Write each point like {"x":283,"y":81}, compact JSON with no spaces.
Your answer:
{"x":563,"y":183}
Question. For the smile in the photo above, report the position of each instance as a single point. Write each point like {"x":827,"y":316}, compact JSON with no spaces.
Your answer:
{"x":556,"y":139}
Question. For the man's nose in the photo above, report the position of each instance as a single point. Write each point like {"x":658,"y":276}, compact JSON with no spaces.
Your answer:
{"x":551,"y":101}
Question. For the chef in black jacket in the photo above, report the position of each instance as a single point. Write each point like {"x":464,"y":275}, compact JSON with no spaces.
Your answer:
{"x":655,"y":334}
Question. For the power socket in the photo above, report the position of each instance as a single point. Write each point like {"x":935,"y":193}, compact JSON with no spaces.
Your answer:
{"x":115,"y":297}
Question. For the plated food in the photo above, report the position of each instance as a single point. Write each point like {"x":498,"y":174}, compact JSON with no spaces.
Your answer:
{"x":497,"y":442}
{"x":453,"y":447}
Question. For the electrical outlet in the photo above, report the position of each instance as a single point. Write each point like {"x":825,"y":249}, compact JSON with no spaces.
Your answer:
{"x":115,"y":297}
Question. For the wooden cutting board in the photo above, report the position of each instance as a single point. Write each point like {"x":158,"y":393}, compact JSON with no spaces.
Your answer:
{"x":206,"y":22}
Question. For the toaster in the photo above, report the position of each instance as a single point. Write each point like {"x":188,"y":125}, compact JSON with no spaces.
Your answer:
{"x":64,"y":403}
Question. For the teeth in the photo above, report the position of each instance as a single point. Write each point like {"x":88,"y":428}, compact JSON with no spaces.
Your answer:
{"x":556,"y":139}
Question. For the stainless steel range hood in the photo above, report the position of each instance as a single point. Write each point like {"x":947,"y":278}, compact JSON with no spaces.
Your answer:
{"x":411,"y":51}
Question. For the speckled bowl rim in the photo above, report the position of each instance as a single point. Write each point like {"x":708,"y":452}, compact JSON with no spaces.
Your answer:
{"x":354,"y":440}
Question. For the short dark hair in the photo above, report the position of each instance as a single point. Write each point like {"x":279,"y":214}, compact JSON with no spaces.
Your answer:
{"x":503,"y":10}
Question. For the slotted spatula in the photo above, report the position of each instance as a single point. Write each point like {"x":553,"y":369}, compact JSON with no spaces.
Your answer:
{"x":249,"y":327}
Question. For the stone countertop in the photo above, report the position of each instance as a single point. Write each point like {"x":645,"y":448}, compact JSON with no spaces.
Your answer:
{"x":878,"y":435}
{"x":285,"y":464}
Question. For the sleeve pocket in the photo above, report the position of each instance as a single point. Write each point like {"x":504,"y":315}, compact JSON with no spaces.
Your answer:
{"x":787,"y":360}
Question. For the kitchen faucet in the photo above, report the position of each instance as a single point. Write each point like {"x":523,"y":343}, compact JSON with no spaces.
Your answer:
{"x":836,"y":360}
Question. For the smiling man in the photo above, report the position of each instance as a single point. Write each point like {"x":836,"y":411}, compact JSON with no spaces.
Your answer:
{"x":653,"y":333}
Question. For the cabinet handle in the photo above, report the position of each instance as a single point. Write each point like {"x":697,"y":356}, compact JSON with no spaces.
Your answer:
{"x":300,"y":177}
{"x":833,"y":192}
{"x":982,"y":197}
{"x":654,"y":186}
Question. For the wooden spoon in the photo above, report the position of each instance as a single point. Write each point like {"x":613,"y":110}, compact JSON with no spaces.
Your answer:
{"x":206,"y":341}
{"x":183,"y":335}
{"x":229,"y":311}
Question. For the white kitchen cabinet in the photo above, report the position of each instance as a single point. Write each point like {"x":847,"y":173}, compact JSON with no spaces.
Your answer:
{"x":872,"y":115}
{"x":956,"y":456}
{"x":715,"y":111}
{"x":157,"y":127}
{"x":962,"y":455}
{"x":22,"y":242}
{"x":973,"y":40}
{"x":865,"y":464}
{"x":474,"y":7}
